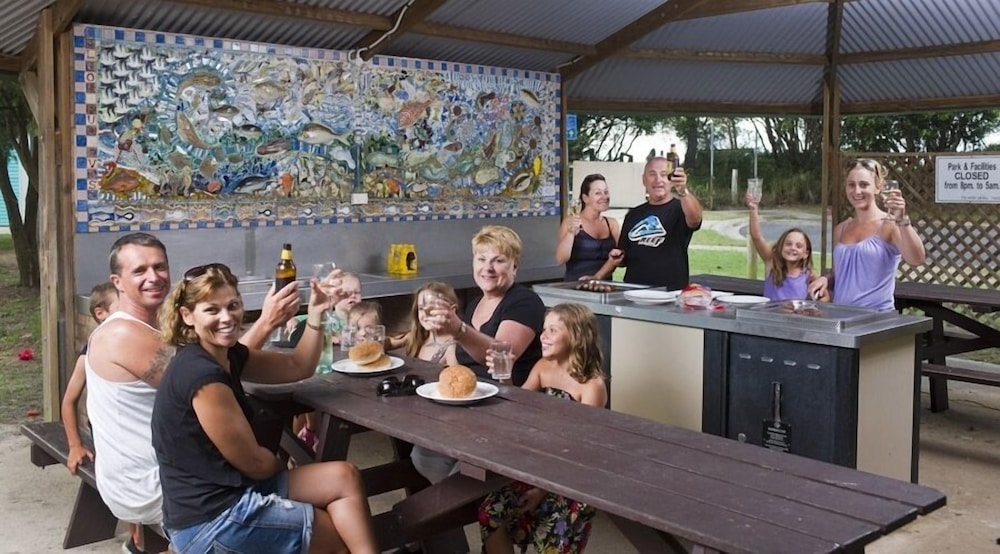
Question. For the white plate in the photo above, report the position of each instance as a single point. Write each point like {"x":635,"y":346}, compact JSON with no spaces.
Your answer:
{"x":744,"y":299}
{"x":483,"y":391}
{"x":715,"y":293}
{"x":650,"y":296}
{"x":350,"y":368}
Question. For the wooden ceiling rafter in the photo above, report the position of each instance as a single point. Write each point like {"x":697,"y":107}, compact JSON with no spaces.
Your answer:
{"x":403,"y":20}
{"x":627,"y":35}
{"x":726,"y":7}
{"x":962,"y":49}
{"x":282,"y":8}
{"x":10,"y":64}
{"x":503,"y":39}
{"x":599,"y":105}
{"x":719,"y":56}
{"x":952,"y":103}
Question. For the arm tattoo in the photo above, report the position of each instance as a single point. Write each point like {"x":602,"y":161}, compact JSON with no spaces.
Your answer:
{"x":159,"y":363}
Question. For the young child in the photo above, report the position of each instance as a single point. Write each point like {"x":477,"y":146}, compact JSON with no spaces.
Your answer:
{"x":790,"y":270}
{"x":103,"y":302}
{"x":337,"y":319}
{"x":570,"y":368}
{"x":361,"y":315}
{"x":420,"y":340}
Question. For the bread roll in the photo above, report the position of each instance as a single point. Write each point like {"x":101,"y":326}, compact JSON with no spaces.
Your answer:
{"x":365,"y":352}
{"x":380,"y":363}
{"x":456,"y":381}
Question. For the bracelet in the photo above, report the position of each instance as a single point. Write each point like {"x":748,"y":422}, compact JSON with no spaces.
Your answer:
{"x":904,"y":222}
{"x":461,"y":330}
{"x":314,"y":327}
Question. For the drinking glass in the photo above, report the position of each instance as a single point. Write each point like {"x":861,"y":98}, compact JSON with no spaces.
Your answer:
{"x":888,"y":187}
{"x":373,"y":333}
{"x":503,"y":360}
{"x":755,"y":188}
{"x":321,"y":272}
{"x":348,"y":337}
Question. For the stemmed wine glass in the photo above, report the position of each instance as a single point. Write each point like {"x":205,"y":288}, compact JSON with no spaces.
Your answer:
{"x":888,"y":187}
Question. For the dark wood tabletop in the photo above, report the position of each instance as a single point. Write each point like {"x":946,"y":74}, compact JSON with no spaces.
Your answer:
{"x":720,"y":494}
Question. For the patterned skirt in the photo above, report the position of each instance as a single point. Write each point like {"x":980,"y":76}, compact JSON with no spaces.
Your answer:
{"x":558,"y":525}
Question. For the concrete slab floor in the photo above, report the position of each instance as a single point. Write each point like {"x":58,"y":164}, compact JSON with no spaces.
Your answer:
{"x":959,"y":455}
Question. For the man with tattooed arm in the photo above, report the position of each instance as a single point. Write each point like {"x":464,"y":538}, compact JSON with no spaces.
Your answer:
{"x":124,"y":362}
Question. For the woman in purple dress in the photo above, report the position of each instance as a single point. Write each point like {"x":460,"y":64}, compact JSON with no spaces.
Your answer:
{"x":867,"y":248}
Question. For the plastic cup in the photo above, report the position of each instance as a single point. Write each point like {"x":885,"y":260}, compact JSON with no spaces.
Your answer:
{"x":503,"y":360}
{"x":755,"y":188}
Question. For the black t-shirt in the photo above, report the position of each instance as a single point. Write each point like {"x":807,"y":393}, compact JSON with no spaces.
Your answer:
{"x":522,"y":305}
{"x":198,"y":483}
{"x":655,"y":241}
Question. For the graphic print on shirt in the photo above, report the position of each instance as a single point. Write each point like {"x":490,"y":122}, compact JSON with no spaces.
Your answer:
{"x":648,"y":232}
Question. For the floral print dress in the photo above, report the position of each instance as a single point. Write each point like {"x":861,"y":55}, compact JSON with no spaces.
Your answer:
{"x":558,"y":525}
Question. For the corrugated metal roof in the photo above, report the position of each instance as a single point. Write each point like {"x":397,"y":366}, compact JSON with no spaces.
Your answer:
{"x":581,"y":21}
{"x":18,"y":20}
{"x":869,"y":26}
{"x":417,"y":46}
{"x":799,"y":29}
{"x":645,"y":80}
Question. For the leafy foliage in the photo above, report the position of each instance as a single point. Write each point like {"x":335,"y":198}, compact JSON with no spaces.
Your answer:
{"x":17,"y":135}
{"x":609,"y":137}
{"x":924,"y":132}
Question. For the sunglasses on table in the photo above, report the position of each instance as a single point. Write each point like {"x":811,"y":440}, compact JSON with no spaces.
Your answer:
{"x":394,"y":386}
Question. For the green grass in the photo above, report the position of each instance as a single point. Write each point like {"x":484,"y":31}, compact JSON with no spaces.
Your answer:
{"x":20,"y":328}
{"x":711,"y":237}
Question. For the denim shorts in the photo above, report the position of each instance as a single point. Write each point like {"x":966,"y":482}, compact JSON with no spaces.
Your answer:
{"x":263,"y":520}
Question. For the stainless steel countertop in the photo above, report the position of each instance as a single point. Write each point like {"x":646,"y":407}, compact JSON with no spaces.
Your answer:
{"x":725,"y":320}
{"x":378,"y":285}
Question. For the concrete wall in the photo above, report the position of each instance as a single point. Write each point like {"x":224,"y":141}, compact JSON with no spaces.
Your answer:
{"x":624,"y":181}
{"x":359,"y":247}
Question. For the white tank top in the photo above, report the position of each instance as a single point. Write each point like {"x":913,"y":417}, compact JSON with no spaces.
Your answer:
{"x":128,"y":476}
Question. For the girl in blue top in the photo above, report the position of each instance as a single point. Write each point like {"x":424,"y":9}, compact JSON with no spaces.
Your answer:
{"x":790,"y":272}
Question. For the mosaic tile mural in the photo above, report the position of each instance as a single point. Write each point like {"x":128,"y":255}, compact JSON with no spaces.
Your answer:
{"x":177,"y":132}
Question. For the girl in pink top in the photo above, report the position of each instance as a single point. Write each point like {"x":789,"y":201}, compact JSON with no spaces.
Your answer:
{"x":790,"y":269}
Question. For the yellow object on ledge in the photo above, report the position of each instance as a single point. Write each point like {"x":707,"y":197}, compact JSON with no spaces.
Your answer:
{"x":402,"y":259}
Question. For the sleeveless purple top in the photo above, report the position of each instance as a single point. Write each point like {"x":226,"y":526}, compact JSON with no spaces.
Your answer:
{"x":792,"y":288}
{"x":865,"y":273}
{"x":588,"y":254}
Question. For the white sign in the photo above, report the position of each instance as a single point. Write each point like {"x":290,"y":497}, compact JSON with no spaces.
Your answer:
{"x":967,"y":180}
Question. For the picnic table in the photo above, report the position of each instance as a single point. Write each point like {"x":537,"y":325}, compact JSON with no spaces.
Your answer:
{"x":656,"y":482}
{"x":937,"y":302}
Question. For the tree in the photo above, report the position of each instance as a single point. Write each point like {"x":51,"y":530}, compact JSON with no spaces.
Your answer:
{"x":17,"y":135}
{"x":795,"y":142}
{"x":923,"y":132}
{"x":608,"y":137}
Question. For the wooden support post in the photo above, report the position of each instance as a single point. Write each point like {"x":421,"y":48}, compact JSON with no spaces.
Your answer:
{"x":48,"y":214}
{"x":831,"y":120}
{"x":65,"y":190}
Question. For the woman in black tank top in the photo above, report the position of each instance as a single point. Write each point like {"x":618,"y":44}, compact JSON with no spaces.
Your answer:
{"x":587,"y":239}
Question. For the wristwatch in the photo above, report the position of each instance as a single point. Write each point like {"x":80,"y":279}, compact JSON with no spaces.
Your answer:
{"x":904,"y":221}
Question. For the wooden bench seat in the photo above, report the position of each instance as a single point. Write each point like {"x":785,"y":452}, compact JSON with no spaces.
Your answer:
{"x":91,"y":520}
{"x":953,"y":373}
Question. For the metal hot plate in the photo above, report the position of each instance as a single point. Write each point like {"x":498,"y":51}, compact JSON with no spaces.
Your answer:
{"x":592,"y":290}
{"x":811,"y":315}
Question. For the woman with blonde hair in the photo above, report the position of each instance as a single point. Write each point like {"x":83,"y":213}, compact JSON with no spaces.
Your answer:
{"x":221,"y":489}
{"x":867,"y":247}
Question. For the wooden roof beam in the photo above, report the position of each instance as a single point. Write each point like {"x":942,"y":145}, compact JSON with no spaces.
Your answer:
{"x":503,"y":39}
{"x":963,"y":49}
{"x":404,"y":19}
{"x":10,"y":64}
{"x":986,"y":101}
{"x":649,"y":22}
{"x":63,"y":14}
{"x":726,"y":7}
{"x":733,"y":57}
{"x":281,"y":8}
{"x":598,"y":105}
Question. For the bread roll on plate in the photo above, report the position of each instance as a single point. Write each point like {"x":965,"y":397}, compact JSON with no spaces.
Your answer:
{"x":368,"y":355}
{"x":457,"y":381}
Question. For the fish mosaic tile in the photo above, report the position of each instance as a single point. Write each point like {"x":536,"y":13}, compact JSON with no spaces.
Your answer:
{"x":175,"y":131}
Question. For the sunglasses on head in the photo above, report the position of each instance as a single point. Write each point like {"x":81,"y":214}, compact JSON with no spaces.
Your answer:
{"x":393,"y":386}
{"x":867,"y":163}
{"x":200,"y":270}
